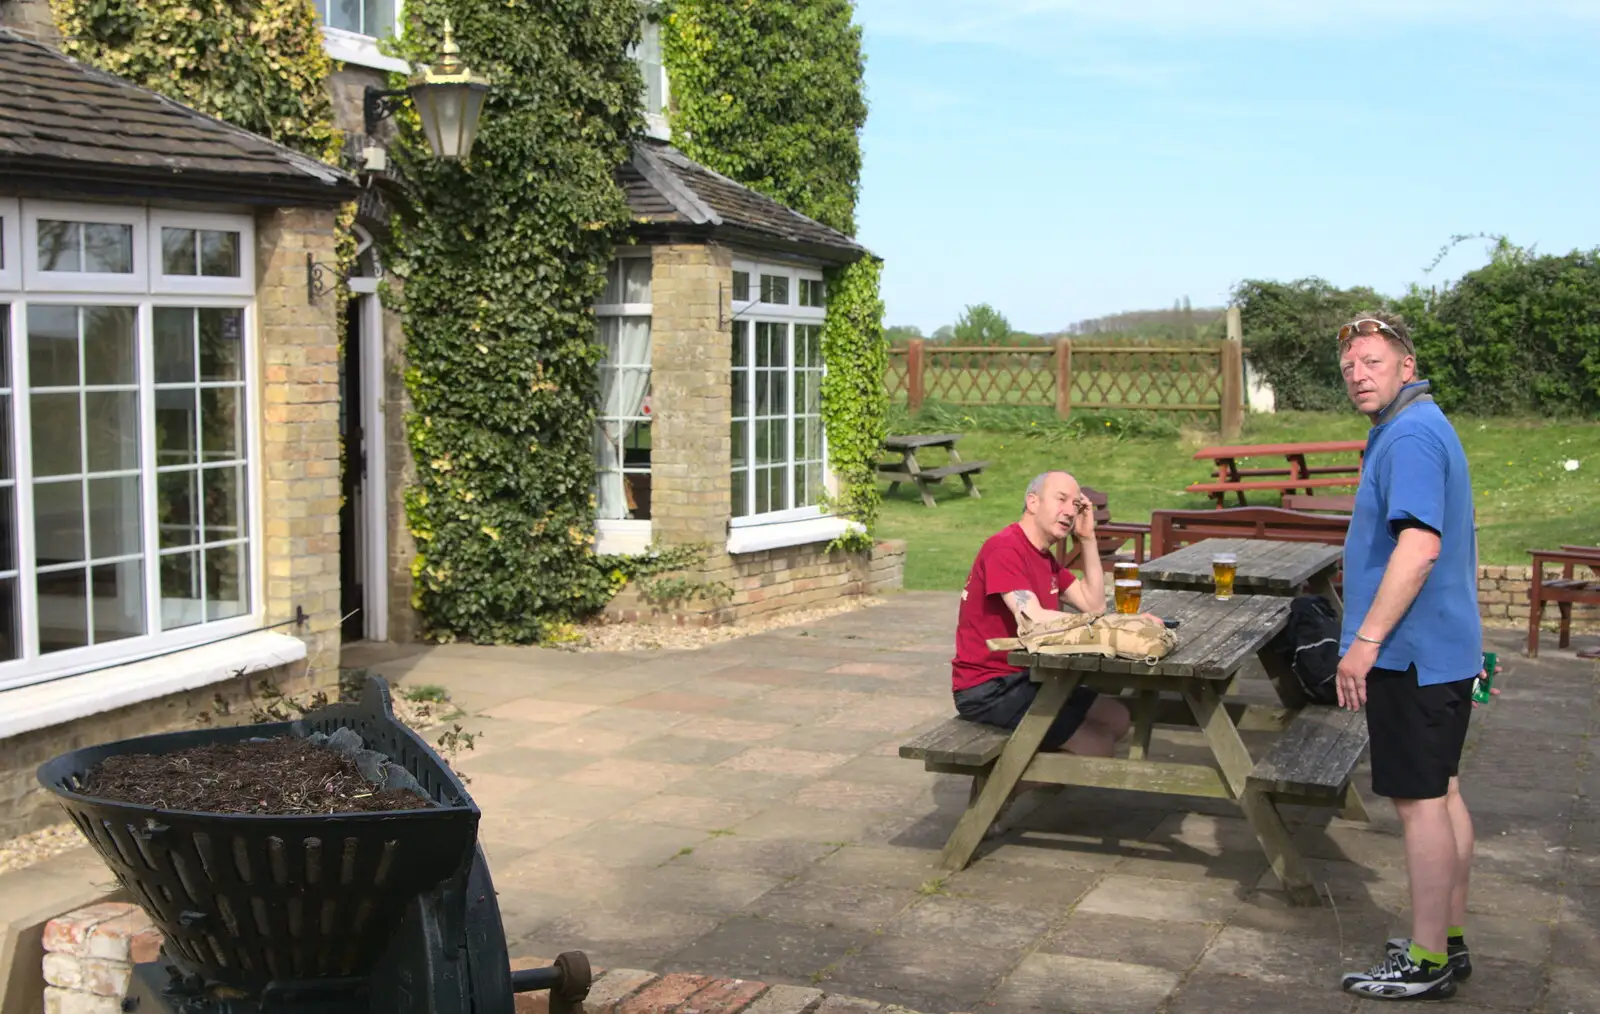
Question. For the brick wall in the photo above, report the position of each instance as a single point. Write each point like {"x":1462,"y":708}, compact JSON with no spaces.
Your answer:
{"x":89,"y":954}
{"x":31,"y":18}
{"x":1503,"y":601}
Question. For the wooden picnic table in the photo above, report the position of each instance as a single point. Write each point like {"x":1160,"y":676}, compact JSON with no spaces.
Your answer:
{"x":1291,"y":477}
{"x":1265,"y":567}
{"x":1311,"y":763}
{"x":907,"y":469}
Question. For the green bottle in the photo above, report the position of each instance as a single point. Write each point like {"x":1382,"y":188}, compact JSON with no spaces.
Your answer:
{"x":1482,"y":684}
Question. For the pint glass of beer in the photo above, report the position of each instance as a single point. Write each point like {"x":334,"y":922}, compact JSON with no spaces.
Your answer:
{"x":1127,"y":593}
{"x":1223,"y":567}
{"x":1125,"y":570}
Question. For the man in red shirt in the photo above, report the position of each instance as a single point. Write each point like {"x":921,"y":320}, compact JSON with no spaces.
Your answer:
{"x":1014,"y":575}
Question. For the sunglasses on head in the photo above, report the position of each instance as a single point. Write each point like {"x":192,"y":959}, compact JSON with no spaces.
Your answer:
{"x":1368,"y":326}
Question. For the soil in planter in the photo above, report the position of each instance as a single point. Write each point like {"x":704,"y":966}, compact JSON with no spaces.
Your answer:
{"x":283,"y":775}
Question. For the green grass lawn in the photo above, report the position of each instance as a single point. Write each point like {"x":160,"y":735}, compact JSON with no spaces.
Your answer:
{"x":1526,"y":498}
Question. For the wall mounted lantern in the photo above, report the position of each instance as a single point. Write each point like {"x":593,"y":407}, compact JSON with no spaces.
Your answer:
{"x":449,"y":99}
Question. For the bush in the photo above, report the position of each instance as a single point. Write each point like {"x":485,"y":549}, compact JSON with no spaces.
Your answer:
{"x":1289,"y":336}
{"x":1032,"y":421}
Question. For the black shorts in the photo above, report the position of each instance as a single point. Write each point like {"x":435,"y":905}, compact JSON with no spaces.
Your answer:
{"x":1416,"y":732}
{"x":1004,"y":700}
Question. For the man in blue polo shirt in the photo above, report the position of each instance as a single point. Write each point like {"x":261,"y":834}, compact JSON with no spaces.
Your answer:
{"x":1411,"y":646}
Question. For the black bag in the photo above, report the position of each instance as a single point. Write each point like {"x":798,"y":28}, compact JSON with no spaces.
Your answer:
{"x":1309,"y":642}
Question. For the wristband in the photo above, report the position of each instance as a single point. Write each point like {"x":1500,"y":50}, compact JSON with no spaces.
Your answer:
{"x":1370,"y":640}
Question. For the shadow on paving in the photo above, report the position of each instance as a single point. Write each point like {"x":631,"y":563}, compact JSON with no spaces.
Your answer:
{"x":740,"y":810}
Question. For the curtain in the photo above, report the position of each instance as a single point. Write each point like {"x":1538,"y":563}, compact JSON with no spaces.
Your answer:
{"x":624,"y":380}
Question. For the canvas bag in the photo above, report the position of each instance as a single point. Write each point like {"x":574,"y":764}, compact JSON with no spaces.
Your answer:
{"x":1110,"y":635}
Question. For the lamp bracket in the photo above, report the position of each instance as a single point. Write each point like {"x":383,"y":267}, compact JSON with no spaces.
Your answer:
{"x":377,"y":105}
{"x":320,"y":278}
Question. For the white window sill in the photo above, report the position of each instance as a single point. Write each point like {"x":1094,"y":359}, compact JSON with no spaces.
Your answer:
{"x":621,"y":538}
{"x":755,"y":538}
{"x":73,"y":697}
{"x":361,"y":50}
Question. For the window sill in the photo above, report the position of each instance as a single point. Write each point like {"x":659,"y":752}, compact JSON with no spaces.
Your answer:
{"x":361,"y":50}
{"x":621,"y":538}
{"x":755,"y":538}
{"x":42,"y":705}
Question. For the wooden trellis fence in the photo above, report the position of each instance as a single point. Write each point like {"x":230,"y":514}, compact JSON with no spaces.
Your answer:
{"x":1205,"y":377}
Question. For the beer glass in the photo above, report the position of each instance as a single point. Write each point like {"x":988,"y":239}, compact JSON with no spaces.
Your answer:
{"x":1223,"y":568}
{"x":1125,"y":570}
{"x":1127,"y":593}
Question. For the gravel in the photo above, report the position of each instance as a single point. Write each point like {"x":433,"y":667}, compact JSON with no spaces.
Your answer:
{"x":600,"y":636}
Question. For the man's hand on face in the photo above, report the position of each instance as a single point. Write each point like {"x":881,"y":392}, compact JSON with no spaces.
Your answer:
{"x":1351,"y":676}
{"x":1083,"y":518}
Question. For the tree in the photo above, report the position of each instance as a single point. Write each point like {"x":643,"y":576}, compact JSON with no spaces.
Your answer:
{"x":945,"y":333}
{"x":982,"y":325}
{"x":899,"y":334}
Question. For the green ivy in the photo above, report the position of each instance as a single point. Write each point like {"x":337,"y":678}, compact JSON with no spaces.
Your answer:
{"x":769,"y":93}
{"x":259,"y":65}
{"x":502,"y":259}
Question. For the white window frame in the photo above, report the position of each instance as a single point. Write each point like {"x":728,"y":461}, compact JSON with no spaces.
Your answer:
{"x":33,"y":668}
{"x":796,"y":525}
{"x":34,"y":279}
{"x":10,"y":243}
{"x":630,"y":536}
{"x":360,"y":48}
{"x":244,"y":284}
{"x":655,"y":120}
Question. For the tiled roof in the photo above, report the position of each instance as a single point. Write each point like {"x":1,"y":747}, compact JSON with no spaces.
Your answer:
{"x":66,"y":123}
{"x":664,"y":187}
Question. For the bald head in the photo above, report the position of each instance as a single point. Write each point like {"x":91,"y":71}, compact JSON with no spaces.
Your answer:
{"x":1048,"y":507}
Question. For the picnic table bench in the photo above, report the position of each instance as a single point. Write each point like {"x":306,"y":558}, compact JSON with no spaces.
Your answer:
{"x":1563,"y":591}
{"x":1293,"y":476}
{"x":907,"y":468}
{"x":1310,"y":763}
{"x":1265,"y":567}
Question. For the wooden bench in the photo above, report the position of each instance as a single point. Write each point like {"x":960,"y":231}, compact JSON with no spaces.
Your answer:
{"x":1110,"y":537}
{"x":1219,"y":491}
{"x":958,"y":747}
{"x":1563,"y":591}
{"x":1172,"y":529}
{"x":1313,"y":762}
{"x":1339,"y":503}
{"x":1312,"y":470}
{"x":908,"y":470}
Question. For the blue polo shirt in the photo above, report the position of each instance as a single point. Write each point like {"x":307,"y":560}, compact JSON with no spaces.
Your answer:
{"x":1416,"y":470}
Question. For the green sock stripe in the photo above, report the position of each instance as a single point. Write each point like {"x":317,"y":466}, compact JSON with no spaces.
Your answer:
{"x":1422,"y":955}
{"x":1455,"y":932}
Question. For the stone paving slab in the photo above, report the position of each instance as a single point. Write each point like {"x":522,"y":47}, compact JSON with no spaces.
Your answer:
{"x":740,"y":811}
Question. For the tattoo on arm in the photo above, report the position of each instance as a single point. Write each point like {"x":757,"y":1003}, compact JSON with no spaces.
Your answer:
{"x":1024,"y":599}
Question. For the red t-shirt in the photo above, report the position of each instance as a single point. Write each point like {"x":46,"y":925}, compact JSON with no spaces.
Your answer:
{"x":1007,"y":562}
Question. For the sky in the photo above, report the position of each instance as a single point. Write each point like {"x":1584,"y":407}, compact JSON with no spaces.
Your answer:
{"x":1066,"y":159}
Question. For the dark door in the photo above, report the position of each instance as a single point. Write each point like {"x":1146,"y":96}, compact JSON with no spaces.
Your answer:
{"x":352,"y":521}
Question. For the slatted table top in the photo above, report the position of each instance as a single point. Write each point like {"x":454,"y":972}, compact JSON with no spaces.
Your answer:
{"x":1273,"y":450}
{"x":1214,"y":638}
{"x":1265,"y":565}
{"x":910,"y":442}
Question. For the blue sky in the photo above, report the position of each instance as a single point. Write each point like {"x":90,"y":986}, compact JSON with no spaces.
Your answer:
{"x":1064,"y":159}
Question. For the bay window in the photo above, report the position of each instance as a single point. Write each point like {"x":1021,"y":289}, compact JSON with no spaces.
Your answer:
{"x":125,"y":446}
{"x":622,"y":425}
{"x":779,"y":448}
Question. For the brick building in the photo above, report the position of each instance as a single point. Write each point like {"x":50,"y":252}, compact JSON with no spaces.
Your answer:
{"x":169,"y":411}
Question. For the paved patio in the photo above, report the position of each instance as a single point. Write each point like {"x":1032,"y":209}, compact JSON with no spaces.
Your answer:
{"x":740,"y":810}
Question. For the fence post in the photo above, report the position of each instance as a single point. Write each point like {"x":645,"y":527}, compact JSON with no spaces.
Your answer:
{"x":914,"y":375}
{"x":1232,"y":366}
{"x":1063,"y":377}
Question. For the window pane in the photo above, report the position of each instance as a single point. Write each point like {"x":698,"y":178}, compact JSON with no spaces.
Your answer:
{"x":52,"y":346}
{"x":108,"y":248}
{"x":59,"y":246}
{"x":8,"y":528}
{"x":779,"y":393}
{"x":58,"y":523}
{"x":118,"y":604}
{"x":174,"y":345}
{"x":741,"y":493}
{"x":180,"y":590}
{"x":741,"y":437}
{"x":763,"y":392}
{"x":108,"y":344}
{"x":345,"y":14}
{"x":224,"y":500}
{"x":221,"y":428}
{"x":177,"y":502}
{"x":227,"y":583}
{"x":741,"y":285}
{"x":113,"y":421}
{"x":219,"y":254}
{"x":10,"y":621}
{"x":741,"y":343}
{"x":175,"y":427}
{"x":636,"y":280}
{"x":378,"y":18}
{"x":177,"y":252}
{"x":221,"y":344}
{"x":763,"y":492}
{"x":741,"y":393}
{"x":114,"y":524}
{"x":57,"y":439}
{"x":63,"y":610}
{"x":775,"y":289}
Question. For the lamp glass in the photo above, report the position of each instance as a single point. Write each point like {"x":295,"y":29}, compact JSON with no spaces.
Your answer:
{"x":449,"y":113}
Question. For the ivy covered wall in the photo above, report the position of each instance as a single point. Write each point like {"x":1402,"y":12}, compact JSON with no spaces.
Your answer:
{"x":769,"y":93}
{"x":502,"y":258}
